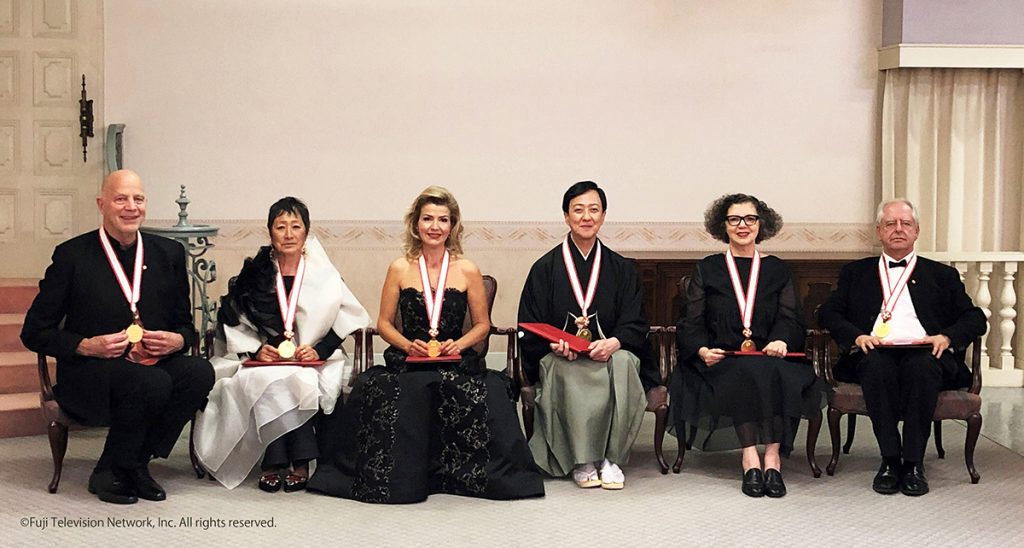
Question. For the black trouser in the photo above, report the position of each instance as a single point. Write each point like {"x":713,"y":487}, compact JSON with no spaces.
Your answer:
{"x":149,"y":406}
{"x":296,"y":448}
{"x":903,"y":384}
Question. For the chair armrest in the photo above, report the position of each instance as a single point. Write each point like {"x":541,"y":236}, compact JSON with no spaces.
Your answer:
{"x":976,"y":366}
{"x":819,"y":348}
{"x":511,"y":346}
{"x":45,"y":386}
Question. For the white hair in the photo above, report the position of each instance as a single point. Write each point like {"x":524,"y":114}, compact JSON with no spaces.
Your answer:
{"x":887,"y":203}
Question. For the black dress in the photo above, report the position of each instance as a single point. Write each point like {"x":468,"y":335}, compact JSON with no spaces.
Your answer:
{"x":743,"y":400}
{"x":409,"y":431}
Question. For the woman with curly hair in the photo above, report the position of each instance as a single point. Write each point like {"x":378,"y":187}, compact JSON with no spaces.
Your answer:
{"x":433,"y":418}
{"x":733,"y":381}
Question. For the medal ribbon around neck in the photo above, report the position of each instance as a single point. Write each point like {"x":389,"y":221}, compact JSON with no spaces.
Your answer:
{"x":745,"y":299}
{"x":131,"y":291}
{"x":432,"y":299}
{"x":574,"y":280}
{"x":288,"y":302}
{"x":891,"y":293}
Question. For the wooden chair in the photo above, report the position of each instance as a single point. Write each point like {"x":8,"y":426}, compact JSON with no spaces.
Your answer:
{"x":813,"y":346}
{"x":963,"y":404}
{"x":364,"y":338}
{"x":58,"y":423}
{"x":663,"y":339}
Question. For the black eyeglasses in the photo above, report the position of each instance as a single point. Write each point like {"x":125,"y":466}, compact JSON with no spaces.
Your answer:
{"x":749,"y":220}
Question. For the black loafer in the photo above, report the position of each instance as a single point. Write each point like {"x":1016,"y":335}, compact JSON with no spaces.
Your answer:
{"x":145,"y":486}
{"x":753,"y":483}
{"x":887,"y":480}
{"x":774,"y":487}
{"x":109,"y":487}
{"x":914,"y":483}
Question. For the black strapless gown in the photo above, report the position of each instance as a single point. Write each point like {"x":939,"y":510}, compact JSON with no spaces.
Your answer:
{"x":409,"y":431}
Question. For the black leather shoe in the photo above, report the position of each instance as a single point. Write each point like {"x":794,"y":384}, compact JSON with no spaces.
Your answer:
{"x":753,"y":483}
{"x":145,"y":486}
{"x":773,"y":484}
{"x":914,"y":483}
{"x":293,"y":482}
{"x":887,"y":480}
{"x":109,"y":487}
{"x":270,"y":482}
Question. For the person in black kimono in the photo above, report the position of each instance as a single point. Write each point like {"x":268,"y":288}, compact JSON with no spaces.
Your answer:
{"x":589,"y":408}
{"x":743,"y":301}
{"x":90,"y":305}
{"x":410,"y":429}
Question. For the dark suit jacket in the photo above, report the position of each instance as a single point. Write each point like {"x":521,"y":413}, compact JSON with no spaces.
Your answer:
{"x":939,"y":297}
{"x":79,"y":297}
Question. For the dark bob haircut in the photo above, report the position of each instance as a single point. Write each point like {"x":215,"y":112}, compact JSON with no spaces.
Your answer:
{"x":714,"y":218}
{"x":581,"y":188}
{"x":288,"y":204}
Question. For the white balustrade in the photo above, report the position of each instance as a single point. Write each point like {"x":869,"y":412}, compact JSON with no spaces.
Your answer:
{"x":986,"y":274}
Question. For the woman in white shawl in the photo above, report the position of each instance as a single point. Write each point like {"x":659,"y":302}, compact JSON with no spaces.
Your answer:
{"x":287,"y":304}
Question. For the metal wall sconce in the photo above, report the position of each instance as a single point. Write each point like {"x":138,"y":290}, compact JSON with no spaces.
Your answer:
{"x":85,"y":120}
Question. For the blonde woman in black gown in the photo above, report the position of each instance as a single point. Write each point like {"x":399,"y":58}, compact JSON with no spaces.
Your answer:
{"x":412,"y":429}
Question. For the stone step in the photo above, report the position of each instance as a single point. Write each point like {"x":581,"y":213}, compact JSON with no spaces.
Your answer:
{"x":10,"y":332}
{"x":20,"y":415}
{"x":16,"y":295}
{"x":19,"y":373}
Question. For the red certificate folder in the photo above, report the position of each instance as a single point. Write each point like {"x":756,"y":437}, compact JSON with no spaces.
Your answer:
{"x":438,"y":359}
{"x":257,"y":363}
{"x":759,"y":353}
{"x":553,"y":334}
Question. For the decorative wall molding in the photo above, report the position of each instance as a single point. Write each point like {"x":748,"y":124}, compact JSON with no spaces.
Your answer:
{"x":8,"y":18}
{"x":8,"y":198}
{"x":54,"y":79}
{"x":8,"y":77}
{"x":54,"y":213}
{"x":53,"y":144}
{"x":631,"y":238}
{"x":53,"y":19}
{"x":9,"y":146}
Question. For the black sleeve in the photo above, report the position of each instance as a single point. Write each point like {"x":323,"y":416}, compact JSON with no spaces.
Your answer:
{"x":42,"y":331}
{"x":788,"y":326}
{"x":833,"y":313}
{"x":631,"y":327}
{"x":691,"y":331}
{"x":327,"y":345}
{"x":969,"y":321}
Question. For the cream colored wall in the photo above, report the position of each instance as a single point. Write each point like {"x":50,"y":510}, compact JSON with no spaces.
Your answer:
{"x":356,"y":105}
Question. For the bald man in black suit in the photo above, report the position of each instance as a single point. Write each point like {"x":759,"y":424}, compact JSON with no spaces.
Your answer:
{"x":145,"y":391}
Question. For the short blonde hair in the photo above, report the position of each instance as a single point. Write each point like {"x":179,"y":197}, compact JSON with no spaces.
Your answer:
{"x":413,"y":245}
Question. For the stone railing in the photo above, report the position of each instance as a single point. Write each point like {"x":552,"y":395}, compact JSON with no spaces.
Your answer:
{"x":991,"y":280}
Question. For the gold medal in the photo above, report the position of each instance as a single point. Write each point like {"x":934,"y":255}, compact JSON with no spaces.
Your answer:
{"x":433,"y":348}
{"x":882,"y":330}
{"x":134,"y":332}
{"x":748,"y":346}
{"x":584,"y":334}
{"x":286,"y":349}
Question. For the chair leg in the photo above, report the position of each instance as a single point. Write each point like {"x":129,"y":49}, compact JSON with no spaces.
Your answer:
{"x":58,"y":447}
{"x":692,"y":436}
{"x":660,"y":418}
{"x":973,"y":429}
{"x":200,"y":472}
{"x":813,"y":428}
{"x":678,"y":464}
{"x":851,"y":429}
{"x":938,"y":440}
{"x":528,"y":420}
{"x":833,"y":431}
